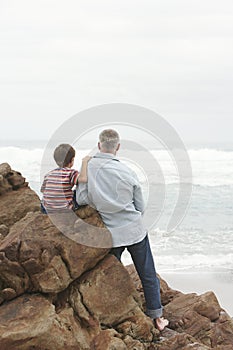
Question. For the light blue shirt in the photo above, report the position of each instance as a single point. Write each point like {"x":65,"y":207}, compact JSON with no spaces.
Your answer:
{"x":114,"y":191}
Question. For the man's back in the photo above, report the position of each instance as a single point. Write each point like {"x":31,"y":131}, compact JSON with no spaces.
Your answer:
{"x":114,"y":190}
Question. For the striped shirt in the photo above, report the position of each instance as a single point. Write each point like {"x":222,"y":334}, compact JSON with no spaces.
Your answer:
{"x":57,"y":189}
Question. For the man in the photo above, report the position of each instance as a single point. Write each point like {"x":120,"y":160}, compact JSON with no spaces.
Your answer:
{"x":114,"y":191}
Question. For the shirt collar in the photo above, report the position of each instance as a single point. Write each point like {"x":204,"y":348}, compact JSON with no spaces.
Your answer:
{"x":105,"y":156}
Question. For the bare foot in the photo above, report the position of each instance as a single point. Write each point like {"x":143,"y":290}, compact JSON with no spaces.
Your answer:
{"x":161,"y":323}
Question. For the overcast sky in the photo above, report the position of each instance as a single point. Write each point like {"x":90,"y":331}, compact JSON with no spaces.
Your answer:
{"x":173,"y":56}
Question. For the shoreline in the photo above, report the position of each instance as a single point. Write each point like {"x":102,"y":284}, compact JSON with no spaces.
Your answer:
{"x":219,"y":282}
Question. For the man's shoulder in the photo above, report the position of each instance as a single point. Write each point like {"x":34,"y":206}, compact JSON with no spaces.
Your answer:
{"x":126,"y":167}
{"x":112,"y":164}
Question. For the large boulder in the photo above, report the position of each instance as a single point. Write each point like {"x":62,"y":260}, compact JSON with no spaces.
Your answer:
{"x":79,"y":317}
{"x":110,"y":303}
{"x":31,"y":322}
{"x":35,"y":256}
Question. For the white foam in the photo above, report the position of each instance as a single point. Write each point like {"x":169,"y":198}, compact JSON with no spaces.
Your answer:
{"x":210,"y":167}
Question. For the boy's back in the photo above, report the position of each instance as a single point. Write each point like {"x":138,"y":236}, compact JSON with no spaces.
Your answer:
{"x":57,"y":189}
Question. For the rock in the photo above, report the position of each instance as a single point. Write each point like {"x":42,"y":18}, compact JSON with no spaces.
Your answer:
{"x":16,"y":204}
{"x":208,"y":306}
{"x":220,"y":336}
{"x":16,"y":198}
{"x":100,"y":292}
{"x":8,"y":294}
{"x":4,"y":230}
{"x":5,"y":169}
{"x":138,"y":327}
{"x":10,"y":179}
{"x":108,"y":340}
{"x":97,"y":294}
{"x":4,"y":185}
{"x":31,"y":322}
{"x":177,"y":341}
{"x":88,"y":232}
{"x":199,"y":316}
{"x":90,"y":215}
{"x":182,"y":315}
{"x":195,"y":321}
{"x":132,"y":344}
{"x":36,"y":256}
{"x":16,"y":180}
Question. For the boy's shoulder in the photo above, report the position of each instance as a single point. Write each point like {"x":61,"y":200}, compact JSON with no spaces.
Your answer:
{"x":62,"y":170}
{"x":56,"y":170}
{"x":59,"y":171}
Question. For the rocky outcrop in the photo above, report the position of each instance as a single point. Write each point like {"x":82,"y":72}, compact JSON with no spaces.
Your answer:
{"x":51,"y":284}
{"x":36,"y":257}
{"x":56,"y":293}
{"x":195,"y":321}
{"x":16,"y":198}
{"x":31,"y":322}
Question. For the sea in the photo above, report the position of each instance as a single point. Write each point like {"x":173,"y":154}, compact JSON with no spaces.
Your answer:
{"x":203,"y":241}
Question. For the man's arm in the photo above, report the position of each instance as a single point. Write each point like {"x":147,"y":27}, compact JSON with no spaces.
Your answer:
{"x":138,"y":198}
{"x":82,"y":194}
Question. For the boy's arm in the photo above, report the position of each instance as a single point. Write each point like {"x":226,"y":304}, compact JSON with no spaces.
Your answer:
{"x":43,"y":186}
{"x":83,"y":172}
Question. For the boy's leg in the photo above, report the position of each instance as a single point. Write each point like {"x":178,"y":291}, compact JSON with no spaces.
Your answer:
{"x":42,"y":208}
{"x":75,"y":203}
{"x":144,"y":264}
{"x":117,"y":252}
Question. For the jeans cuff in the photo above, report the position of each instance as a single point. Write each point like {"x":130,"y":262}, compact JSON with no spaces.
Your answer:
{"x":154,"y":313}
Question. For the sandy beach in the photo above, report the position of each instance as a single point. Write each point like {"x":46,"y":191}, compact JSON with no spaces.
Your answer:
{"x":220,"y":282}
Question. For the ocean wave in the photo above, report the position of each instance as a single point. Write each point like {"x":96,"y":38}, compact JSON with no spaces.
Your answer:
{"x":187,"y":262}
{"x":193,"y":262}
{"x":210,"y":167}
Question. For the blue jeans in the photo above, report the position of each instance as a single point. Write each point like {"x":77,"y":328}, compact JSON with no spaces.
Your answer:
{"x":144,"y":264}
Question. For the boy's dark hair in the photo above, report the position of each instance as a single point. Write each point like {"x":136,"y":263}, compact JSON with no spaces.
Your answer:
{"x":63,"y":154}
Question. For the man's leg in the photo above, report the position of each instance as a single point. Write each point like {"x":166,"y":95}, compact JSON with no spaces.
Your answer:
{"x":144,"y":264}
{"x":117,"y":252}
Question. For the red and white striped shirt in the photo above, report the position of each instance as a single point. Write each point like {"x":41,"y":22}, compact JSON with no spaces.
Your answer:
{"x":57,"y":189}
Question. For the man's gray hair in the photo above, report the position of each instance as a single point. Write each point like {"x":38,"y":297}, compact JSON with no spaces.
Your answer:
{"x":109,"y":139}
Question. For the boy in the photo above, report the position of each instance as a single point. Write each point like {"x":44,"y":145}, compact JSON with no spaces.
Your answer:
{"x":58,"y":183}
